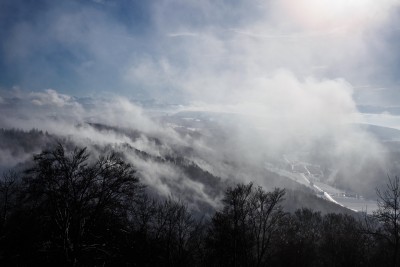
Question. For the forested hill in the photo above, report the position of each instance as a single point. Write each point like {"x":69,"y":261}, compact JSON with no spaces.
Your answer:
{"x":17,"y":146}
{"x":71,"y":208}
{"x":172,"y":170}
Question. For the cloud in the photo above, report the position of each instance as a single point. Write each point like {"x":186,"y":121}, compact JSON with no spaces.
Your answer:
{"x":102,"y":124}
{"x":251,"y":65}
{"x":84,"y":48}
{"x":51,"y":97}
{"x":182,"y":34}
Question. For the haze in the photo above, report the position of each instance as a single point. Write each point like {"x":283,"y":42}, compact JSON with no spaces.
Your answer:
{"x":259,"y":82}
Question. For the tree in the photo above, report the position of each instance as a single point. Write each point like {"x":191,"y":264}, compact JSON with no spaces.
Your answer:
{"x":172,"y":228}
{"x":265,"y":217}
{"x":8,"y":188}
{"x":242,"y":233}
{"x":342,"y":241}
{"x":229,"y":233}
{"x":164,"y":233}
{"x":388,"y":214}
{"x":81,"y":201}
{"x":299,"y":239}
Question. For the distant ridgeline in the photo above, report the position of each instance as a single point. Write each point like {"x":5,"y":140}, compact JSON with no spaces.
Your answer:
{"x":20,"y":141}
{"x":17,"y":146}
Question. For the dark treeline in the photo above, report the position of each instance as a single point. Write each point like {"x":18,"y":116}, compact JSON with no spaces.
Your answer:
{"x":69,"y":209}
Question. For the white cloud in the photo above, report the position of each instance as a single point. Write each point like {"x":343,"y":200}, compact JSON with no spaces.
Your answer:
{"x":52,"y":98}
{"x":257,"y":61}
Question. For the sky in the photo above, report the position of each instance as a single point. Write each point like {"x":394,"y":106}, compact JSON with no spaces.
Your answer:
{"x":186,"y":51}
{"x":298,"y":76}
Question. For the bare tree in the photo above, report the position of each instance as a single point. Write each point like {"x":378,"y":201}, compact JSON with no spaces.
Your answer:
{"x":82,"y":197}
{"x":173,"y":226}
{"x":241,"y":234}
{"x":8,"y":186}
{"x":388,"y":214}
{"x":265,"y":217}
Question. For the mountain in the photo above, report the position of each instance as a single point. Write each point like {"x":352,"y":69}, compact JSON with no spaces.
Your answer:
{"x":176,"y":172}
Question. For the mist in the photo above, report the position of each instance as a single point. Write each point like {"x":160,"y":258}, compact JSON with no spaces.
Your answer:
{"x":255,"y":82}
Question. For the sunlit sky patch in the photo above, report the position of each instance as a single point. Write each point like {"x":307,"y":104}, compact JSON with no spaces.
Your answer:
{"x":348,"y":14}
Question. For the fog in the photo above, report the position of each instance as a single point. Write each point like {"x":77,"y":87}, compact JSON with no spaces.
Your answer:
{"x":275,"y":79}
{"x":233,"y":144}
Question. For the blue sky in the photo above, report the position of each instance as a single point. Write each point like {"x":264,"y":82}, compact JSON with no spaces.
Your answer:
{"x":73,"y":46}
{"x":177,"y":51}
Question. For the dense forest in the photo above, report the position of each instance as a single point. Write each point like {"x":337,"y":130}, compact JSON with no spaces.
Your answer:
{"x":69,"y":208}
